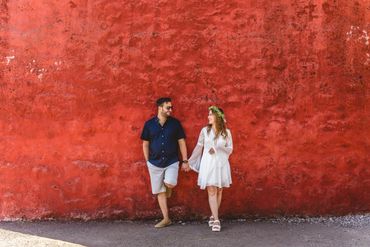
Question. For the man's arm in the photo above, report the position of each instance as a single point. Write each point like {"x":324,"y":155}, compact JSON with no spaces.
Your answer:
{"x":184,"y":154}
{"x":146,"y":150}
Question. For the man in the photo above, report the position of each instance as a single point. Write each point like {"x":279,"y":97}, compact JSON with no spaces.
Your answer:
{"x":162,"y":137}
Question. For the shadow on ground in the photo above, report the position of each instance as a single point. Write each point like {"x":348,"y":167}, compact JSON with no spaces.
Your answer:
{"x":329,"y":231}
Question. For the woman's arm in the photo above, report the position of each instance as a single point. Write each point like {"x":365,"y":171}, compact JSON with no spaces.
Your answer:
{"x":228,"y":147}
{"x":196,"y":156}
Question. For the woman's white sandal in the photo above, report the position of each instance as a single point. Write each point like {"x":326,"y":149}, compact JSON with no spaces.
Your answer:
{"x":216,"y":226}
{"x":211,"y":221}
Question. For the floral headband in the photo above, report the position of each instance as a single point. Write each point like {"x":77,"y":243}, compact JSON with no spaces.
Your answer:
{"x":217,"y":111}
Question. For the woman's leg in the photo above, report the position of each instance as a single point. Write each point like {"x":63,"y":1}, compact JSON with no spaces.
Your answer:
{"x":212,"y":199}
{"x":219,"y":197}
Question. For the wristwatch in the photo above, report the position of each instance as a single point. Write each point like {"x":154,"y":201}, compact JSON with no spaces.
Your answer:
{"x":185,"y":161}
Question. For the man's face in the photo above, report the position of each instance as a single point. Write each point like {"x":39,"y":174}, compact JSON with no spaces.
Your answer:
{"x":166,"y":109}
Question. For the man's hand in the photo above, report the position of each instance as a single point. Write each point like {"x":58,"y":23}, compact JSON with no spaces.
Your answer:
{"x":211,"y":151}
{"x":185,"y":167}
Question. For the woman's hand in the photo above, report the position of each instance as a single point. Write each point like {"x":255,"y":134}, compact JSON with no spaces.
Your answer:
{"x":211,"y":151}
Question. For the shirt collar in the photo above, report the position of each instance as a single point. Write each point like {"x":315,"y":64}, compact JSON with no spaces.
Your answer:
{"x":156,"y":119}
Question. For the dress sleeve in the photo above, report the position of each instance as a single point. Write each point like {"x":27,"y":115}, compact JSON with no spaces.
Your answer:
{"x":196,"y":156}
{"x":228,"y":147}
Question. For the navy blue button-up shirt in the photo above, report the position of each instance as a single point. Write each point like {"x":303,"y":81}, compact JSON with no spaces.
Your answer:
{"x":163,"y":140}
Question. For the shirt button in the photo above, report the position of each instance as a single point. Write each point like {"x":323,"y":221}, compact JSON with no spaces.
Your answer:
{"x":162,"y":151}
{"x":162,"y":143}
{"x":162,"y":136}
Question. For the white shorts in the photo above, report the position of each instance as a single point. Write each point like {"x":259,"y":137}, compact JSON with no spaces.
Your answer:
{"x":159,"y":176}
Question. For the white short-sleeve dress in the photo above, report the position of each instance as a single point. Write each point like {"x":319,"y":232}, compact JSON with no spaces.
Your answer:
{"x":213,"y":169}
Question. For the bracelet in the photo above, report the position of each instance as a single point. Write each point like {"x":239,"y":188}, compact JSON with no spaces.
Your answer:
{"x":185,"y":161}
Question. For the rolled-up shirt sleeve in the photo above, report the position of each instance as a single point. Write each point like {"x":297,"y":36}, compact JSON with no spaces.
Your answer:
{"x":145,"y":133}
{"x":180,"y":132}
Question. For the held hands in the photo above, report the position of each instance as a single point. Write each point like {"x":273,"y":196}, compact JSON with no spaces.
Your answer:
{"x":185,"y":167}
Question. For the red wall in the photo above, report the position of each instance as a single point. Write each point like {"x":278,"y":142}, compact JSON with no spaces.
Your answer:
{"x":79,"y":78}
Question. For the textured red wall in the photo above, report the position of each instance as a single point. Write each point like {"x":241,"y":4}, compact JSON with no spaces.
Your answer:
{"x":79,"y":78}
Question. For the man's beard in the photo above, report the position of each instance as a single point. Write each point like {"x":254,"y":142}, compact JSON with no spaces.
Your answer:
{"x":166,"y":114}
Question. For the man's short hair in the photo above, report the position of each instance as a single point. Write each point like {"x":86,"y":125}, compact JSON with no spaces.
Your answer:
{"x":161,"y":101}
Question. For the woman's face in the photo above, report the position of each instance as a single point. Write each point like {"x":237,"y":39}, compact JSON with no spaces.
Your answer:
{"x":211,"y":117}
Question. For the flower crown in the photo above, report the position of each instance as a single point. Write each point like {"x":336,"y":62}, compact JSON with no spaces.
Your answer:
{"x":217,"y":111}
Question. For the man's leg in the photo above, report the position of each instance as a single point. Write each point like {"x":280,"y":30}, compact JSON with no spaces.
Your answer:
{"x":169,"y":188}
{"x":169,"y":182}
{"x":170,"y":178}
{"x":162,"y":201}
{"x":158,"y":188}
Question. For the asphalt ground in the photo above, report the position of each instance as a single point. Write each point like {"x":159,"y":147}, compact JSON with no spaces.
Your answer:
{"x":323,"y":231}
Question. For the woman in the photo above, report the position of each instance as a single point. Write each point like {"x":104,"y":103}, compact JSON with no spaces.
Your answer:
{"x":210,"y":159}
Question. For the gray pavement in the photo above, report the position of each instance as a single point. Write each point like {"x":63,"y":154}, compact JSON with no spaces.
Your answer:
{"x":323,"y":231}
